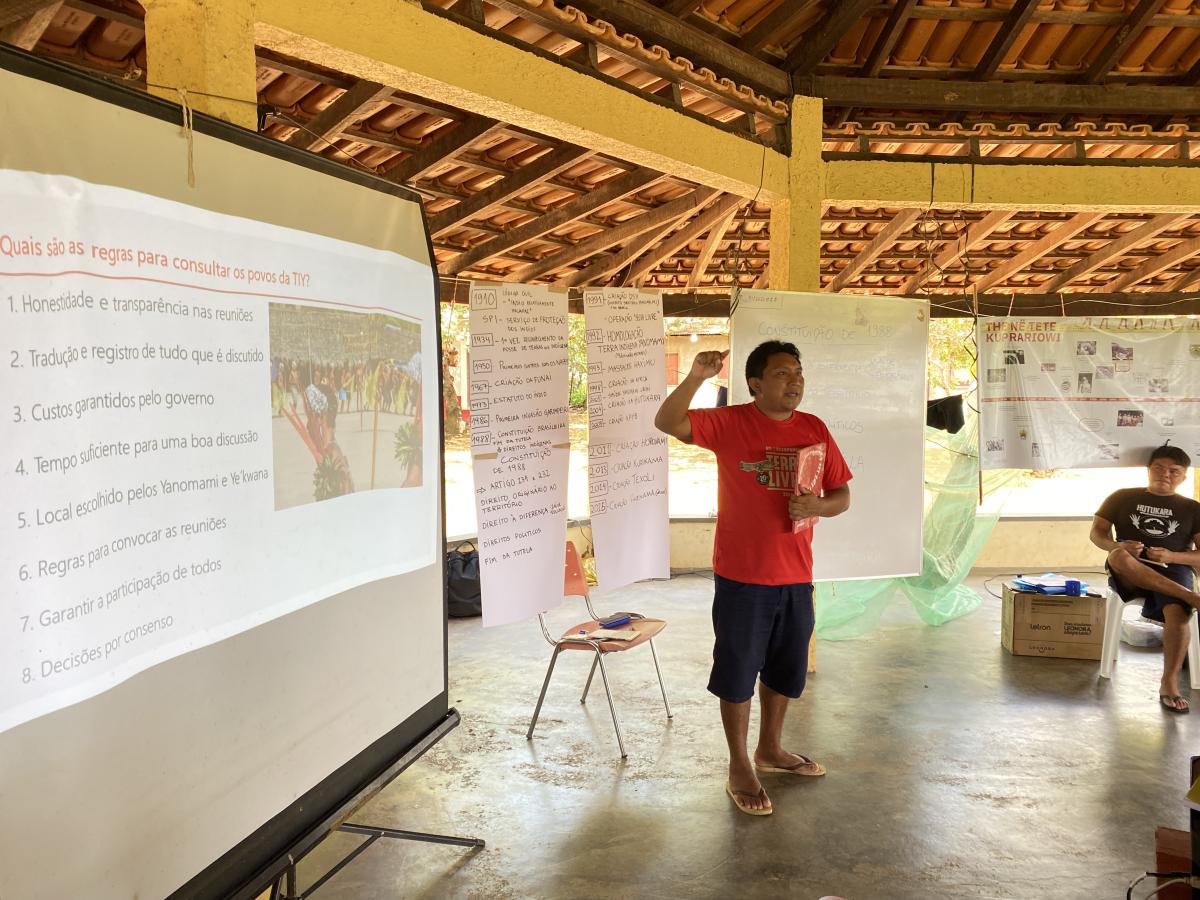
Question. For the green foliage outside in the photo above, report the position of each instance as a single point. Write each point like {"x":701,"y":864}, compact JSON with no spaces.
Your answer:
{"x":577,"y":361}
{"x":951,"y":356}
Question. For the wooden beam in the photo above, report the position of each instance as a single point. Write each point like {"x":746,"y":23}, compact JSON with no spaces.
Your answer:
{"x":546,"y":166}
{"x":655,"y":26}
{"x":1137,"y":20}
{"x":680,"y":8}
{"x":1112,"y":306}
{"x":777,"y":20}
{"x":886,"y":41}
{"x":106,"y":10}
{"x":817,"y":42}
{"x":668,"y":212}
{"x":617,"y":47}
{"x":1115,"y":248}
{"x":25,"y":33}
{"x":1184,"y":280}
{"x":1000,"y":96}
{"x":890,"y":233}
{"x":333,"y":119}
{"x":472,"y":9}
{"x":680,"y":239}
{"x":1018,"y":18}
{"x":1191,"y":77}
{"x":1060,"y":235}
{"x":12,"y":11}
{"x":598,"y":272}
{"x":1183,"y":250}
{"x":574,"y":209}
{"x":975,"y":234}
{"x":441,"y":148}
{"x":478,"y":70}
{"x":715,"y":235}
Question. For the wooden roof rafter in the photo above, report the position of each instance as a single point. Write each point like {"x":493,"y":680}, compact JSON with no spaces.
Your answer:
{"x":599,"y":271}
{"x":1139,"y":18}
{"x":1018,"y":18}
{"x":680,"y":72}
{"x":1000,"y":96}
{"x":572,"y":210}
{"x":971,"y":237}
{"x":1116,"y":248}
{"x":1037,"y":249}
{"x":23,"y":22}
{"x":627,"y":230}
{"x":682,"y":39}
{"x":840,"y":18}
{"x":1185,"y":249}
{"x":716,"y":235}
{"x":887,"y":236}
{"x":546,"y":166}
{"x":672,"y":244}
{"x":320,"y":131}
{"x":442,"y":148}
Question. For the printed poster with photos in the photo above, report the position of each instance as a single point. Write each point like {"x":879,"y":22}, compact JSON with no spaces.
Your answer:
{"x":1086,"y":392}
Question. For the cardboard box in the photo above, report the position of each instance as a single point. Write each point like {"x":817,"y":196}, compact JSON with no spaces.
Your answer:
{"x":1172,"y":853}
{"x":1052,"y":625}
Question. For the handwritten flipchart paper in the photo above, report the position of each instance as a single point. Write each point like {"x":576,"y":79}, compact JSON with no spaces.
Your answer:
{"x":519,"y":446}
{"x":864,"y":370}
{"x":627,"y":455}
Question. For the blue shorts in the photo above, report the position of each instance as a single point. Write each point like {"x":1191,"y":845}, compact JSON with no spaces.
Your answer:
{"x":762,"y":631}
{"x":1152,"y":602}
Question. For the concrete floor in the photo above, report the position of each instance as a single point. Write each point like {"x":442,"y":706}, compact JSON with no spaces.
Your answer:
{"x":955,"y":771}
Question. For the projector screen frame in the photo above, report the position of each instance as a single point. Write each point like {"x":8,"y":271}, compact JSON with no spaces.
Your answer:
{"x":255,"y":863}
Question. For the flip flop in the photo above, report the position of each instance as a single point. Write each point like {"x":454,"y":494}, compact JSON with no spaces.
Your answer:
{"x":748,"y":810}
{"x":816,"y":768}
{"x":1169,"y":702}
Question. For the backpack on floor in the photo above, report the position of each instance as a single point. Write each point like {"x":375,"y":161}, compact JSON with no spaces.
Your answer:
{"x":463,"y":598}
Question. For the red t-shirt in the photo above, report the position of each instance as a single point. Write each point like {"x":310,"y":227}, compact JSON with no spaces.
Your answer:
{"x":756,"y":474}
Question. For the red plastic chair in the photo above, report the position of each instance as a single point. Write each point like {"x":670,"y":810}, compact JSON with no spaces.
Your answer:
{"x":576,"y":638}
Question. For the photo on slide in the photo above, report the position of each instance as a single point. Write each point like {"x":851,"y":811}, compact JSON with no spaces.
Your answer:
{"x":345,"y":403}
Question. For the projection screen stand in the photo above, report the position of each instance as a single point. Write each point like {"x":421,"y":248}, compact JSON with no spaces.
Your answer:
{"x":374,"y":833}
{"x":283,"y":886}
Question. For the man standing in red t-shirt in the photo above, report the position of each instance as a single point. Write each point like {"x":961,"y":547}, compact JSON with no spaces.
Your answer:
{"x":762,"y":604}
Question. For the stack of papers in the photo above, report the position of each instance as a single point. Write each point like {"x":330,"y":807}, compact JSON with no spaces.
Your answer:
{"x":1046,"y":584}
{"x":611,"y":634}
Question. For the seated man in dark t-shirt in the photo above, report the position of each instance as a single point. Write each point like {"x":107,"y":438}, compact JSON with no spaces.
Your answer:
{"x":1155,"y":525}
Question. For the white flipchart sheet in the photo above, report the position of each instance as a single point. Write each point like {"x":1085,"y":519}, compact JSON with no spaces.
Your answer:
{"x":1087,"y":392}
{"x":865,"y":367}
{"x":627,"y":455}
{"x":520,"y":446}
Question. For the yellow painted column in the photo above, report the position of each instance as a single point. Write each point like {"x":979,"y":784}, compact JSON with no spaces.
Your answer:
{"x":205,"y":48}
{"x":796,"y":221}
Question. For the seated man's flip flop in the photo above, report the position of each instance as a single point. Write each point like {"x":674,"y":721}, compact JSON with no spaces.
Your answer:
{"x":741,"y":805}
{"x":1171,"y":703}
{"x":805,"y":767}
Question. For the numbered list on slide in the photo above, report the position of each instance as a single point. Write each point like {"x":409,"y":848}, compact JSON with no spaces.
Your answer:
{"x":627,"y":455}
{"x":150,"y":444}
{"x":519,"y":446}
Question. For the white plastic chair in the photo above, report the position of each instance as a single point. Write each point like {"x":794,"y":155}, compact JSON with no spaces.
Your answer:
{"x":1110,"y":649}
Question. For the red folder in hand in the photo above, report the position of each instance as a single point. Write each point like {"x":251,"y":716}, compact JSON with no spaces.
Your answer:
{"x":810,"y":464}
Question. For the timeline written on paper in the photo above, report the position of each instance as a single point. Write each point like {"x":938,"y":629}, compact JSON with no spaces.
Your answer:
{"x":519,"y":446}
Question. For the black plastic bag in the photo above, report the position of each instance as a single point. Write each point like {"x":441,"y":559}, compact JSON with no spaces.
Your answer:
{"x":462,"y":582}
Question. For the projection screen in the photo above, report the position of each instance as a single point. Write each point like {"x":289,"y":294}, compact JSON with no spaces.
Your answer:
{"x":221,"y":549}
